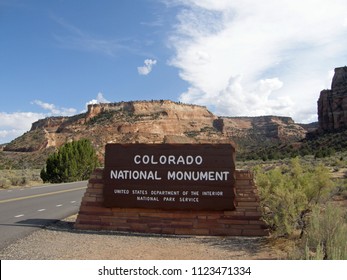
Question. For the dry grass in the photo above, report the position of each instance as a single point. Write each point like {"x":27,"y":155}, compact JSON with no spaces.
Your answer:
{"x":19,"y":178}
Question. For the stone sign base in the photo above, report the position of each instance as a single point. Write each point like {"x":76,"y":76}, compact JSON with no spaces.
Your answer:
{"x":244,"y":221}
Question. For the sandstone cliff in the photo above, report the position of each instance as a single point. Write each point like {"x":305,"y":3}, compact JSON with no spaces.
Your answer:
{"x":332,"y":104}
{"x":155,"y":122}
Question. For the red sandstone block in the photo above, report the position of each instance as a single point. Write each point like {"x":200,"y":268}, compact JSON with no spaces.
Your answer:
{"x":182,"y":223}
{"x":247,"y":209}
{"x":169,"y":214}
{"x":233,"y":213}
{"x":92,"y":203}
{"x":226,"y":232}
{"x":130,"y":210}
{"x":242,"y":183}
{"x":159,"y":224}
{"x":86,"y":218}
{"x":95,"y":180}
{"x":245,"y":190}
{"x":125,"y":214}
{"x":255,"y":232}
{"x":253,"y":214}
{"x":91,"y":209}
{"x":98,"y":186}
{"x":191,"y":231}
{"x":257,"y":222}
{"x":168,"y":230}
{"x":248,"y":204}
{"x":247,"y":198}
{"x":189,"y":215}
{"x":95,"y":191}
{"x":139,"y":227}
{"x":98,"y":214}
{"x":243,"y":174}
{"x":108,"y":228}
{"x":207,"y":224}
{"x":233,"y":221}
{"x":110,"y":219}
{"x":252,"y":226}
{"x":93,"y":222}
{"x":120,"y":225}
{"x":213,"y":216}
{"x":87,"y":227}
{"x":157,"y":215}
{"x":155,"y":230}
{"x":123,"y":228}
{"x":89,"y":199}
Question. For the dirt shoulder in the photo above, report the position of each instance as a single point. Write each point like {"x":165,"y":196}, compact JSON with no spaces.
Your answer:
{"x":62,"y":241}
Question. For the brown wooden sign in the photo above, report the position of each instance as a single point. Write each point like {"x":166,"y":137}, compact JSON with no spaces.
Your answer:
{"x":170,"y":176}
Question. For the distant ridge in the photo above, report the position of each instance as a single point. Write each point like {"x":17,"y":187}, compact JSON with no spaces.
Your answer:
{"x":155,"y":121}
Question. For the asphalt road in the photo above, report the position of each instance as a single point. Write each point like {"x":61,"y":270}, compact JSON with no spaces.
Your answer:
{"x":23,"y":211}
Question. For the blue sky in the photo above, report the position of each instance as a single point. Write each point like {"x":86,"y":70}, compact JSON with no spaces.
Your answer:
{"x":238,"y":58}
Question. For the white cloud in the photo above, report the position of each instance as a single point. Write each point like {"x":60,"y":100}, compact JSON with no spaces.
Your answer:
{"x":254,"y":57}
{"x":15,"y":124}
{"x":54,"y":110}
{"x":147,"y":68}
{"x":99,"y":99}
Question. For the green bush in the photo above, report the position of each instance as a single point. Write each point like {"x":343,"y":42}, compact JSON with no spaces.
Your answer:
{"x":288,"y":195}
{"x":74,"y":161}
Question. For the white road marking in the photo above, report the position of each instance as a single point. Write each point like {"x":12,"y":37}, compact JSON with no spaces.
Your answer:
{"x":73,"y":201}
{"x":18,"y":216}
{"x":41,"y":210}
{"x":59,"y":205}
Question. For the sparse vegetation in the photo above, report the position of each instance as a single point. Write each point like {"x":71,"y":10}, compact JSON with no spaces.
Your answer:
{"x":19,"y":178}
{"x":101,"y":118}
{"x":297,"y":202}
{"x":318,"y":145}
{"x":326,"y":237}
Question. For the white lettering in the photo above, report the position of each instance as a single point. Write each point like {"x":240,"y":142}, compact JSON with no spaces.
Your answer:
{"x":198,"y":175}
{"x":117,"y":191}
{"x":189,"y":160}
{"x":162,"y":159}
{"x":147,"y":198}
{"x":198,"y":160}
{"x":180,"y":160}
{"x":137,"y":159}
{"x":134,"y":175}
{"x":113,"y":174}
{"x":170,"y":159}
{"x":189,"y":199}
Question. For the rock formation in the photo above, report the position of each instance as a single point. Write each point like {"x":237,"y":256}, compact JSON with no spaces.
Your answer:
{"x":160,"y":121}
{"x":332,"y":104}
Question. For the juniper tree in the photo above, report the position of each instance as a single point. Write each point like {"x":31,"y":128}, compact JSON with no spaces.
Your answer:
{"x":73,"y":161}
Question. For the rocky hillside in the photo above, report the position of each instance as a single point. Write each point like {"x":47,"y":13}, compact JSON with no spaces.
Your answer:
{"x":155,"y":122}
{"x":332,"y":104}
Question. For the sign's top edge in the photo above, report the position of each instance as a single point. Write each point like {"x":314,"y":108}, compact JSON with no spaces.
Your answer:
{"x":172,"y":144}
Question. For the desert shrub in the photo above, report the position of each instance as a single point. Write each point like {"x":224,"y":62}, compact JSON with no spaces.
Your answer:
{"x":326,"y":236}
{"x":4,"y":183}
{"x":288,"y":195}
{"x":73,"y":161}
{"x":19,"y":181}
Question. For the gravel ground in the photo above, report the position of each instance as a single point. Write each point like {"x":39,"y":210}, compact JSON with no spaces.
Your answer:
{"x":62,"y":241}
